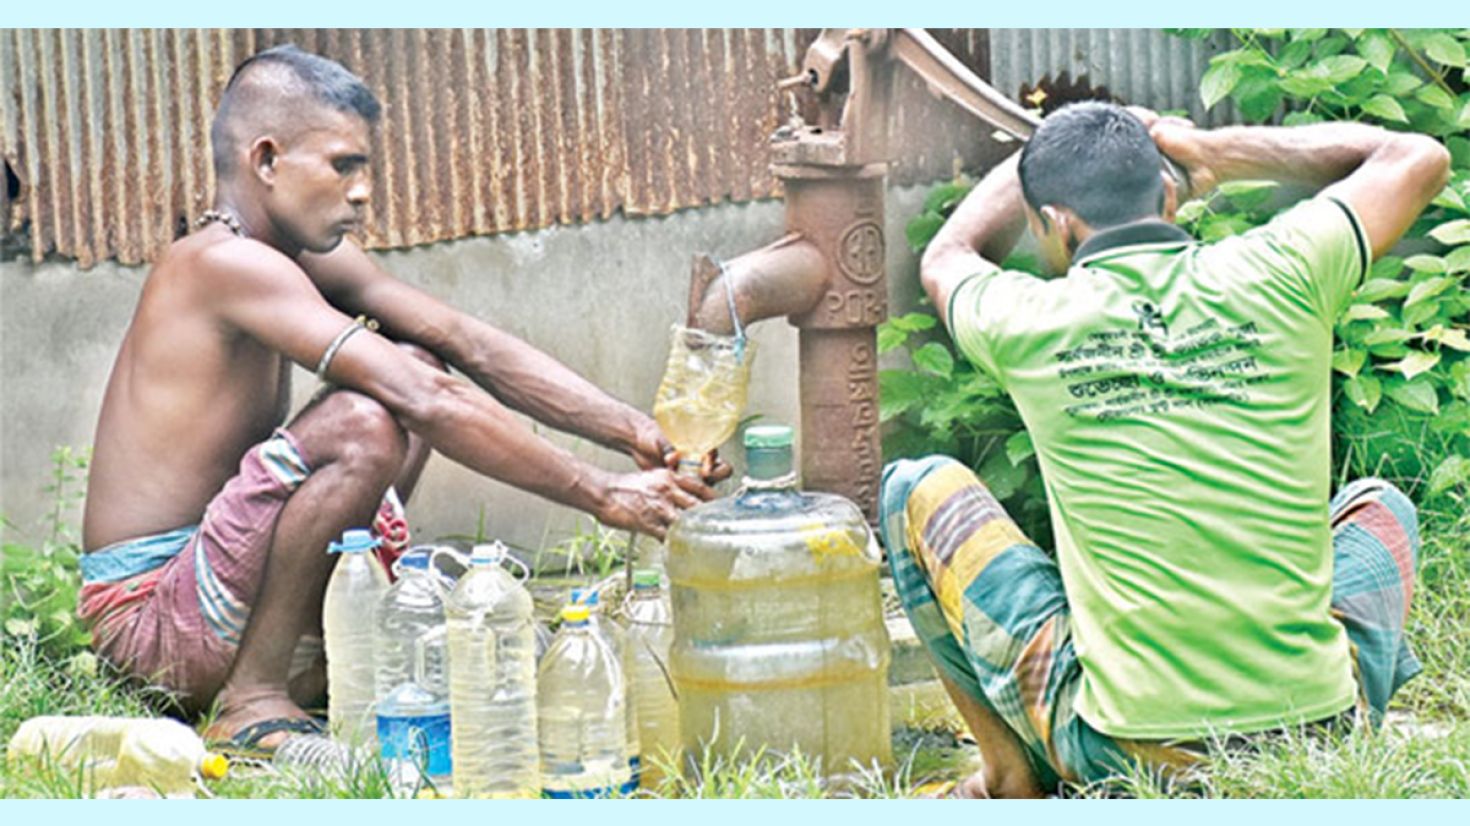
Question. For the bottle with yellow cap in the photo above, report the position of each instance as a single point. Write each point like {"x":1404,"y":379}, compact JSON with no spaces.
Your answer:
{"x":779,"y":640}
{"x":580,"y":701}
{"x":112,"y":752}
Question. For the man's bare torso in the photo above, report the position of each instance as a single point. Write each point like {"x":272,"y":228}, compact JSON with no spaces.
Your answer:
{"x":188,"y":396}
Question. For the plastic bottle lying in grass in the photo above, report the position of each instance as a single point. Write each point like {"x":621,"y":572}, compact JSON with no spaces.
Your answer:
{"x":110,"y":752}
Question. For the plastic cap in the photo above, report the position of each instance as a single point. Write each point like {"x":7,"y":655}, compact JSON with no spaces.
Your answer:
{"x":488,"y":554}
{"x":647,"y":578}
{"x":586,"y":596}
{"x":214,"y":767}
{"x":768,"y":436}
{"x":415,"y":559}
{"x":576,"y":612}
{"x":354,"y":541}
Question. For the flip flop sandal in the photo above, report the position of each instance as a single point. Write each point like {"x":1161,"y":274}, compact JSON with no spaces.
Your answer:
{"x":245,"y":745}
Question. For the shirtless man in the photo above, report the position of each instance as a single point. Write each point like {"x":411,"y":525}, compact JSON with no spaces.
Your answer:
{"x":206,"y":523}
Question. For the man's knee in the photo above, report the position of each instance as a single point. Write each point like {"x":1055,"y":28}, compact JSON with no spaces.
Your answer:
{"x":366,"y":435}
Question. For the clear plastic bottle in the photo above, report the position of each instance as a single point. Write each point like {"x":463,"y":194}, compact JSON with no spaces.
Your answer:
{"x":357,"y":585}
{"x":160,"y":754}
{"x":318,"y":754}
{"x":649,"y":637}
{"x":779,"y":639}
{"x":583,"y":721}
{"x":412,"y":684}
{"x":492,"y":680}
{"x":616,"y":639}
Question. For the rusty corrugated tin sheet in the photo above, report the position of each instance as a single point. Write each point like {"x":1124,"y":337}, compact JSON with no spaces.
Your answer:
{"x":484,"y":131}
{"x":1145,"y":66}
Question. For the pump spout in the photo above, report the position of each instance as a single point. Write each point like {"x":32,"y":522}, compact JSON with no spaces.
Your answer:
{"x":785,"y":278}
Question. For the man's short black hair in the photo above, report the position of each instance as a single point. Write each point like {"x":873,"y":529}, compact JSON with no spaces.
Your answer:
{"x":268,"y":89}
{"x":1096,"y":159}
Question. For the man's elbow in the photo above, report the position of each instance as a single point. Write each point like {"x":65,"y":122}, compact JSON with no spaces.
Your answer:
{"x":1429,"y":160}
{"x":932,"y":266}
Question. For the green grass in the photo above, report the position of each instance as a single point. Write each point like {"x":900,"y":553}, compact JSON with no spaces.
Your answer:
{"x":1430,"y":757}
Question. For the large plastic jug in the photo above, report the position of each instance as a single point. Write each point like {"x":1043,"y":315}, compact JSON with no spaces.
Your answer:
{"x":164,"y":755}
{"x":412,"y":684}
{"x":492,"y":681}
{"x":583,"y":720}
{"x":649,"y":638}
{"x":358,"y":582}
{"x":779,"y":638}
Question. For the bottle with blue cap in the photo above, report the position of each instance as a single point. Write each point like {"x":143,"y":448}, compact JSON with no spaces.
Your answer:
{"x":358,"y":582}
{"x":779,"y":640}
{"x":582,"y":715}
{"x":615,"y":638}
{"x":492,"y":680}
{"x":412,"y":683}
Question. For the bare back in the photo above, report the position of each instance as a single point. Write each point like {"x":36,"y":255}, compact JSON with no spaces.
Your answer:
{"x":188,"y":396}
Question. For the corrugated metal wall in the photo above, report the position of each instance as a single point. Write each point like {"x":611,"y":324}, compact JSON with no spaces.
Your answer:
{"x":1145,"y":66}
{"x":484,"y":131}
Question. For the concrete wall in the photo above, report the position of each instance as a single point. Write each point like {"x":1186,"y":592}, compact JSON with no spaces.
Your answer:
{"x":599,"y":297}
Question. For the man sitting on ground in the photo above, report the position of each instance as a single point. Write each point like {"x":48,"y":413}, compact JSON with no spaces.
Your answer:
{"x":206,"y":521}
{"x":1178,"y":397}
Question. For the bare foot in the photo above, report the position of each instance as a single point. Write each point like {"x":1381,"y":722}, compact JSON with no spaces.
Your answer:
{"x":240,"y":708}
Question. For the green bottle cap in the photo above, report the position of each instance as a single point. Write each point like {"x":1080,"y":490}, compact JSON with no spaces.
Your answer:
{"x":646,"y":578}
{"x":768,"y":436}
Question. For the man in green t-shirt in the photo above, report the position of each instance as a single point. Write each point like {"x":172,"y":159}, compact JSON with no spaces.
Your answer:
{"x":1178,"y":397}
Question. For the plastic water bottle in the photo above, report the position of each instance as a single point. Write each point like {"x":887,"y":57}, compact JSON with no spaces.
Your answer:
{"x":650,"y":635}
{"x":357,"y":584}
{"x":111,"y":752}
{"x":616,"y":639}
{"x":412,"y":687}
{"x":582,"y":717}
{"x":318,"y":754}
{"x":492,"y":680}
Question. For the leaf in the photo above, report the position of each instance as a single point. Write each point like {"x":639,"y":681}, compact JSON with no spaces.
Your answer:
{"x":1458,"y":260}
{"x":1377,"y":49}
{"x":1445,"y":50}
{"x":900,"y":390}
{"x":1258,"y":98}
{"x":890,"y":337}
{"x":934,"y":358}
{"x":1388,"y":266}
{"x":1387,"y":335}
{"x":914,"y":322}
{"x":1416,"y":315}
{"x":1348,"y":362}
{"x":1425,"y":263}
{"x":1436,"y":97}
{"x":1452,"y":233}
{"x":922,"y":230}
{"x":1301,"y":119}
{"x":1401,"y":82}
{"x":1418,"y":395}
{"x":1232,"y":189}
{"x":1019,"y":447}
{"x":1191,"y":212}
{"x":1451,"y":337}
{"x":1387,"y":108}
{"x":1218,"y":81}
{"x":1364,"y":391}
{"x":1415,"y":363}
{"x":1377,"y":289}
{"x":1002,"y":477}
{"x":1339,"y":68}
{"x":1361,"y":312}
{"x":1453,"y":471}
{"x":942,"y":198}
{"x":1428,"y":289}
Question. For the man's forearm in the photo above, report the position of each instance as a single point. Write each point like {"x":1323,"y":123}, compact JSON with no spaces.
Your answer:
{"x":532,"y":382}
{"x":990,"y":219}
{"x":1315,"y":155}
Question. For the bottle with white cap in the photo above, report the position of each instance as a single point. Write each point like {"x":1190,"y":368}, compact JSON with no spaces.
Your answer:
{"x":358,"y":583}
{"x":492,"y":680}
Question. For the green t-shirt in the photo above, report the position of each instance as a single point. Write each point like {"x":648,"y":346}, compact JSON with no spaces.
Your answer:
{"x":1178,"y":396}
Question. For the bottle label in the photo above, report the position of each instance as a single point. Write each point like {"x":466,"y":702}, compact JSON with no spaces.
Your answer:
{"x":421,"y":740}
{"x":583,"y":794}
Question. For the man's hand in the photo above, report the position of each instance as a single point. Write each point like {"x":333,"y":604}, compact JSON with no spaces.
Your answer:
{"x":650,"y":501}
{"x":1174,"y":137}
{"x":651,"y":449}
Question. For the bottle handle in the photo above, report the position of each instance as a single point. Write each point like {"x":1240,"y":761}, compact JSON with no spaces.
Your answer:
{"x":421,"y":644}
